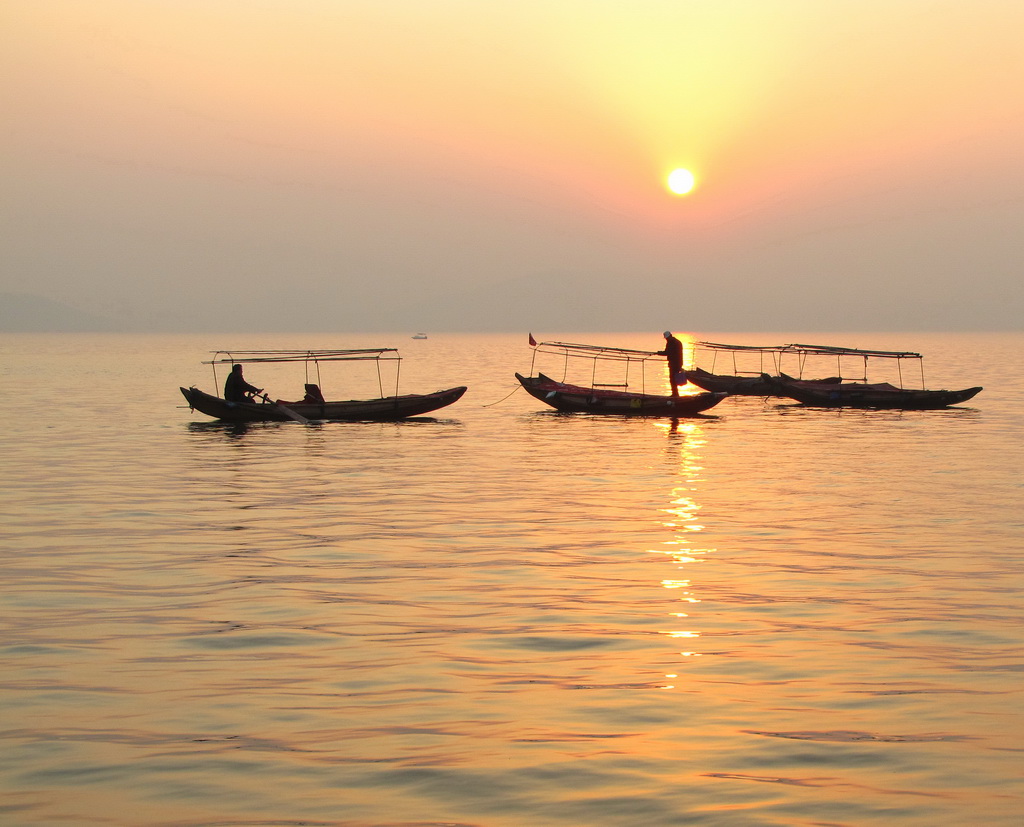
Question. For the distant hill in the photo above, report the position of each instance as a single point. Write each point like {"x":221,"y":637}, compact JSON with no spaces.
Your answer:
{"x":21,"y":313}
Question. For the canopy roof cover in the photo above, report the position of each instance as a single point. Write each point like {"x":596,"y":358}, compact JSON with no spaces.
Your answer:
{"x":227,"y":357}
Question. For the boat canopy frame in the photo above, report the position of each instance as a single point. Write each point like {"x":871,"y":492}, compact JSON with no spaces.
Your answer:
{"x":596,"y":354}
{"x":803,"y":351}
{"x":310,"y":359}
{"x":715,"y":348}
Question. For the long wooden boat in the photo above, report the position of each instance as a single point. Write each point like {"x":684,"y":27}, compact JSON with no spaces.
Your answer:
{"x":313,"y":406}
{"x":266,"y":410}
{"x":616,"y":383}
{"x":748,"y":364}
{"x":834,"y":391}
{"x":580,"y":399}
{"x":859,"y":392}
{"x":728,"y":383}
{"x":866,"y":395}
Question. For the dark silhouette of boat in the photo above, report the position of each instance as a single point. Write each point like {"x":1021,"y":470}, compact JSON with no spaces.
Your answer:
{"x":580,"y":399}
{"x":313,"y":406}
{"x":748,"y":364}
{"x":843,"y":392}
{"x":865,"y":395}
{"x":831,"y":392}
{"x":620,"y":397}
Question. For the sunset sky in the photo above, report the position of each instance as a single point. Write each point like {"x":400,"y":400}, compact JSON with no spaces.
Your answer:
{"x":356,"y":165}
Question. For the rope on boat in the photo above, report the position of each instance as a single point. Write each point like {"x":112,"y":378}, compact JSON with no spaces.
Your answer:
{"x":492,"y":404}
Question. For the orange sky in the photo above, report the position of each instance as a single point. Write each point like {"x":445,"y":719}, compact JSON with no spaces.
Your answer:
{"x":367,"y":148}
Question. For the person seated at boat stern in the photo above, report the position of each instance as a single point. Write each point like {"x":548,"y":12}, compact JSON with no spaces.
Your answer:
{"x":313,"y":396}
{"x":674,"y":353}
{"x":236,"y":389}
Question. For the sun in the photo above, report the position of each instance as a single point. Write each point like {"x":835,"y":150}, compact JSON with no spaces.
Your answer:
{"x":681,"y":181}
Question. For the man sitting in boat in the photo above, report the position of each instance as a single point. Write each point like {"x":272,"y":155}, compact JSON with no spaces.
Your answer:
{"x":313,"y":394}
{"x":236,"y":389}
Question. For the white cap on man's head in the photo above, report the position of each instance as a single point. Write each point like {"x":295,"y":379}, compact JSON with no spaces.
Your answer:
{"x":668,"y":333}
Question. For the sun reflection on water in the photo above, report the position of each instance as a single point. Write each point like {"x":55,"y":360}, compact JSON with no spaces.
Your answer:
{"x":683,"y":548}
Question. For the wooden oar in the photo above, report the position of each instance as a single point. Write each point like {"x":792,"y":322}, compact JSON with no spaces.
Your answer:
{"x":287,"y":411}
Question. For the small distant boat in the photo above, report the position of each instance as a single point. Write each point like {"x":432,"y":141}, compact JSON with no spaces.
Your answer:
{"x":313,"y":406}
{"x":420,"y":336}
{"x":610,"y":398}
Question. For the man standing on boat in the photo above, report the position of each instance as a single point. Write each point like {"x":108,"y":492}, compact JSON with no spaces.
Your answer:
{"x":674,"y":353}
{"x":235,"y":386}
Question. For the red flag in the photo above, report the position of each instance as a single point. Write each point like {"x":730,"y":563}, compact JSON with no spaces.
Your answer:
{"x":533,"y":342}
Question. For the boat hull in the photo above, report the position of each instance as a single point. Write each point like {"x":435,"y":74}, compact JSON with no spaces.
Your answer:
{"x":724,"y":383}
{"x":577,"y":399}
{"x":738,"y":385}
{"x":386,"y":408}
{"x":860,"y":395}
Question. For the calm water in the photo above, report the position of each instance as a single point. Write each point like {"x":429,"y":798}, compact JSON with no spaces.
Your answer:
{"x":501,"y":615}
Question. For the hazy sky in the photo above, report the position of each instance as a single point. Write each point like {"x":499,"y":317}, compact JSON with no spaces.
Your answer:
{"x":435,"y":165}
